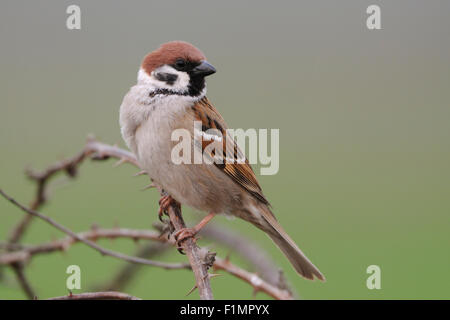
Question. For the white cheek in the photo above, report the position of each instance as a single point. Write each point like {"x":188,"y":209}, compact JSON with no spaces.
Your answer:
{"x":180,"y":85}
{"x":182,"y":82}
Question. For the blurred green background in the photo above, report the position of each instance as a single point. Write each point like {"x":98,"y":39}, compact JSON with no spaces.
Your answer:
{"x":364,"y":123}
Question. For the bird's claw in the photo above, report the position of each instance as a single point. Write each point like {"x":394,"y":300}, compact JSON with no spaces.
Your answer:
{"x":164,"y":203}
{"x":184,"y":234}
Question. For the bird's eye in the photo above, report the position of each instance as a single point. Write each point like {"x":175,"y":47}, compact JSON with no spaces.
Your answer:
{"x":180,"y":63}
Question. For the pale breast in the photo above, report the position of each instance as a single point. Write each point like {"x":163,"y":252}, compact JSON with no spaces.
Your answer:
{"x":153,"y":135}
{"x":201,"y":186}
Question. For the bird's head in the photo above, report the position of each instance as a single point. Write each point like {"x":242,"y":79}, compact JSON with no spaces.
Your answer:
{"x":176,"y":67}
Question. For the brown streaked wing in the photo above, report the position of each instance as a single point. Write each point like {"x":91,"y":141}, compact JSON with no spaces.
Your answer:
{"x":241,"y":173}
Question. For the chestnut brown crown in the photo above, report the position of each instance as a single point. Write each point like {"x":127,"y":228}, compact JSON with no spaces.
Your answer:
{"x":169,"y":53}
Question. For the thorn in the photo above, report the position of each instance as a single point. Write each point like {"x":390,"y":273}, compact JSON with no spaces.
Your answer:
{"x":120,"y":162}
{"x":210,"y":276}
{"x":214,"y":275}
{"x":192,"y":290}
{"x":90,"y":138}
{"x":71,"y":171}
{"x":151,"y":185}
{"x":227,"y":257}
{"x":94,"y":227}
{"x":255,"y":282}
{"x":140,"y":173}
{"x":158,"y":226}
{"x":65,"y":247}
{"x":281,"y":280}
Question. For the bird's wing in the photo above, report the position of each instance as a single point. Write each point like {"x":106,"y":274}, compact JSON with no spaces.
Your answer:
{"x":235,"y":164}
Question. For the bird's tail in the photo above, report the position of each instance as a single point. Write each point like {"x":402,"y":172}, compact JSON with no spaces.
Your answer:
{"x":297,"y":258}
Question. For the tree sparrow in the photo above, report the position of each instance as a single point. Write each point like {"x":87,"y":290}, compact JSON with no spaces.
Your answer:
{"x":170,"y":94}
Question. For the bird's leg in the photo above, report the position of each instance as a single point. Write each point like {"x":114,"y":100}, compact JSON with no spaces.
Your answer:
{"x":185,"y":233}
{"x":164,"y":203}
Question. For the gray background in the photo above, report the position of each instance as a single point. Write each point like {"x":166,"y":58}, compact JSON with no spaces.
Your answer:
{"x":363,"y":118}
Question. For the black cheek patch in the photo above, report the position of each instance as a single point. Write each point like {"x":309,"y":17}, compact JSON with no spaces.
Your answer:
{"x":168,"y":78}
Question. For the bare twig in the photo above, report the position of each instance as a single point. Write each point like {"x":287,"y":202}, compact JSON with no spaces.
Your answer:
{"x":197,"y":257}
{"x":241,"y":245}
{"x":191,"y":249}
{"x":23,"y":254}
{"x":69,"y":166}
{"x":92,"y":244}
{"x":39,"y":200}
{"x":108,"y":295}
{"x":23,"y":281}
{"x":246,"y":249}
{"x":19,"y":230}
{"x":199,"y":266}
{"x":257,"y":282}
{"x":10,"y":246}
{"x":100,"y":151}
{"x":253,"y":279}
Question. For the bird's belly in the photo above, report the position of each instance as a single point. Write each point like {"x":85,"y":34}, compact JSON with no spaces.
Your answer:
{"x":200,"y":186}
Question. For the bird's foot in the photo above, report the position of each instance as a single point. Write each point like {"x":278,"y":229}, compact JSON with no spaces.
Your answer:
{"x":184,"y":234}
{"x":164,"y":203}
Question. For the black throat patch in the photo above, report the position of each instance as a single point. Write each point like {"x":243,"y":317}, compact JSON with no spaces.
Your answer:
{"x":168,"y":92}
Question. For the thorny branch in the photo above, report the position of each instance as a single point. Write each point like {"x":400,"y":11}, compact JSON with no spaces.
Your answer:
{"x":92,"y":244}
{"x":253,"y":279}
{"x":108,"y":295}
{"x":26,"y":253}
{"x":249,"y":251}
{"x":200,"y":259}
{"x":70,"y":167}
{"x":237,"y":243}
{"x":199,"y":262}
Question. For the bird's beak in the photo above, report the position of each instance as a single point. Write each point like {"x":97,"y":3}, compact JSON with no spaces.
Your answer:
{"x":203,"y":69}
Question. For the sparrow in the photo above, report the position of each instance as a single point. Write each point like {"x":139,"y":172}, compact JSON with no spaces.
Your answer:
{"x":170,"y":94}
